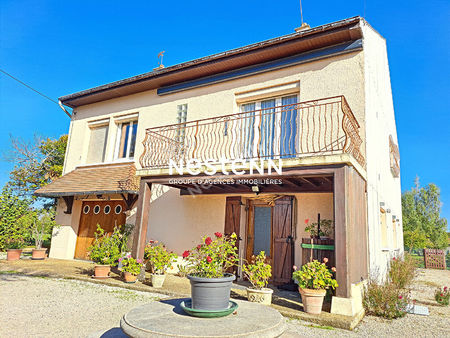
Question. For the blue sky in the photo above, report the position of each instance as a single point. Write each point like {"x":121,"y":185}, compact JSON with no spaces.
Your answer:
{"x":60,"y":47}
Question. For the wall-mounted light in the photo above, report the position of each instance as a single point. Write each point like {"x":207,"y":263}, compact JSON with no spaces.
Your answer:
{"x":255,"y":189}
{"x":388,"y":211}
{"x":381,"y":204}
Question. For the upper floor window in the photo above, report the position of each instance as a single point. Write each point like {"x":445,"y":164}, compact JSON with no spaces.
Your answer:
{"x":97,"y":144}
{"x":126,"y":140}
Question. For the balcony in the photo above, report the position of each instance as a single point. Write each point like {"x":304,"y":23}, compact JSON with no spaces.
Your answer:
{"x":318,"y":127}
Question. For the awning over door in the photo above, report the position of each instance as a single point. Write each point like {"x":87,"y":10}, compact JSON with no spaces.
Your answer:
{"x":94,"y":180}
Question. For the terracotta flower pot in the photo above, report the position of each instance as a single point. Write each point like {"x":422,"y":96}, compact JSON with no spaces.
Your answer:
{"x":263,"y":296}
{"x":13,"y":254}
{"x":38,"y":254}
{"x":129,"y":277}
{"x":157,"y":280}
{"x":102,"y":271}
{"x":312,"y":300}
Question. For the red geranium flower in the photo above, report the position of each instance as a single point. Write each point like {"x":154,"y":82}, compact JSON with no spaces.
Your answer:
{"x":208,"y":240}
{"x":445,"y":288}
{"x":209,"y":259}
{"x":186,"y":254}
{"x":306,"y":221}
{"x":393,"y":258}
{"x":218,"y":234}
{"x":199,"y":246}
{"x":400,"y":297}
{"x":442,"y":295}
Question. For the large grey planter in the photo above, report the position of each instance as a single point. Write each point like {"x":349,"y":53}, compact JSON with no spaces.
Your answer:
{"x":211,"y":294}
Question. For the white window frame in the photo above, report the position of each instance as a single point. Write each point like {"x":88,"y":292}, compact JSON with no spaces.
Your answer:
{"x":118,"y":137}
{"x":278,"y":104}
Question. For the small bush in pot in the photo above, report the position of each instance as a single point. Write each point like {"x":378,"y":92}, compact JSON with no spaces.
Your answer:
{"x":41,"y":224}
{"x":131,"y":268}
{"x":105,"y":251}
{"x":258,"y":273}
{"x":159,"y":260}
{"x":14,"y":248}
{"x":209,"y":263}
{"x":313,"y":280}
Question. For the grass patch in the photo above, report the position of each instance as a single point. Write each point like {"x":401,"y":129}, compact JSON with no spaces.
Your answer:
{"x":314,"y":326}
{"x":430,"y":284}
{"x":9,"y":272}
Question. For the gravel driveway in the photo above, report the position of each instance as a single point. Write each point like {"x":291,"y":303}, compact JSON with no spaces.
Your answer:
{"x":44,"y":307}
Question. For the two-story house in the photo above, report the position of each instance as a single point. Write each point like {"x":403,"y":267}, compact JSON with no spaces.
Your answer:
{"x":156,"y":150}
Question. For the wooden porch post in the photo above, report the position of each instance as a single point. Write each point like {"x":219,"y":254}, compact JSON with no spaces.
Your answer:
{"x":340,"y":223}
{"x":350,"y":217}
{"x":140,"y":228}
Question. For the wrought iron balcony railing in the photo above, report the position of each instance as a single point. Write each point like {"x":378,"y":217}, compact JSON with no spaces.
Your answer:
{"x":318,"y":127}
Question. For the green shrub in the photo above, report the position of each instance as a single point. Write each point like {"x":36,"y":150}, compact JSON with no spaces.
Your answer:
{"x":106,"y":248}
{"x":315,"y":275}
{"x":158,"y":257}
{"x":131,"y":265}
{"x":258,"y":271}
{"x":442,"y":295}
{"x":402,"y":271}
{"x":385,"y":300}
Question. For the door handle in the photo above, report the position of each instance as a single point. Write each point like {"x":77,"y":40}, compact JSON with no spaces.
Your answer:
{"x":289,"y":239}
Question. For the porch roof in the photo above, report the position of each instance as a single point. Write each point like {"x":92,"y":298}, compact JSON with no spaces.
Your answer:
{"x":94,"y":179}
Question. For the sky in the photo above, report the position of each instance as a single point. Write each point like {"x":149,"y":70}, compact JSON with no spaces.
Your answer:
{"x":61,"y":47}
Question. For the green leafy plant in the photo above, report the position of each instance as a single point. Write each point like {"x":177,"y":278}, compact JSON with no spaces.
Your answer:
{"x":258,"y":271}
{"x":385,"y":300}
{"x":17,"y":243}
{"x":106,"y":247}
{"x":12,"y":209}
{"x":442,"y":295}
{"x":315,"y":275}
{"x":326,"y":228}
{"x":213,"y":257}
{"x":402,"y":271}
{"x":40,"y":224}
{"x":131,"y":265}
{"x":183,"y":270}
{"x":158,"y":257}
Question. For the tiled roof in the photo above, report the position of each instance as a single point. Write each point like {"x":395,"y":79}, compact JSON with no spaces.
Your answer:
{"x":95,"y":179}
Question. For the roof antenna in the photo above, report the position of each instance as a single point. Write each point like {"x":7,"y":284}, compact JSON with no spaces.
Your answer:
{"x":160,"y":60}
{"x":304,"y":25}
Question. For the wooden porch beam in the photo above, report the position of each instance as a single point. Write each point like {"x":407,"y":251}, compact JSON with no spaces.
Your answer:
{"x":304,"y":179}
{"x":69,"y":204}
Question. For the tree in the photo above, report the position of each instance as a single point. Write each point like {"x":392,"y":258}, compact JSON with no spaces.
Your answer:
{"x":36,"y":163}
{"x":12,"y":209}
{"x":422,"y":224}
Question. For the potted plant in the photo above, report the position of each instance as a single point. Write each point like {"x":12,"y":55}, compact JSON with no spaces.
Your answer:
{"x":105,"y":251}
{"x":326,"y":229}
{"x":258,"y":273}
{"x":208,"y":263}
{"x":14,"y":248}
{"x":41,"y":225}
{"x":159,"y":260}
{"x":131,"y":268}
{"x":313,"y":280}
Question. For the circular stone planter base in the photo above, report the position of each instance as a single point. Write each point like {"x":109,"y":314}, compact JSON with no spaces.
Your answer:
{"x":187,"y":307}
{"x":167,"y":319}
{"x":37,"y":259}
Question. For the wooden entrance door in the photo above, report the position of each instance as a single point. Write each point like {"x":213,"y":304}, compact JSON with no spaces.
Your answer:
{"x":269,"y":228}
{"x":105,"y":213}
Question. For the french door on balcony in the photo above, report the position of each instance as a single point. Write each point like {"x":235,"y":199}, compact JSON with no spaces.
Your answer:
{"x":270,"y":128}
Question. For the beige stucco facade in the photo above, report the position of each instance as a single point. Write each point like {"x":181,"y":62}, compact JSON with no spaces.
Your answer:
{"x":180,"y":221}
